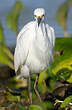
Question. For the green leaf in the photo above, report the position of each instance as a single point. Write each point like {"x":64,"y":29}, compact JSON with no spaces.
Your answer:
{"x":4,"y":58}
{"x":46,"y":105}
{"x":11,"y":97}
{"x":13,"y":82}
{"x":5,"y":53}
{"x":2,"y":40}
{"x":35,"y":107}
{"x":12,"y":19}
{"x":63,"y":63}
{"x":62,"y":14}
{"x":9,"y":53}
{"x":66,"y":102}
{"x":64,"y":74}
{"x":69,"y":2}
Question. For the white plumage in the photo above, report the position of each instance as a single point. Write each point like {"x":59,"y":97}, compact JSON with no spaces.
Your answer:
{"x":34,"y":46}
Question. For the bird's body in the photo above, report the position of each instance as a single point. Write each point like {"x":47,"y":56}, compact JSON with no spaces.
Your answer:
{"x":34,"y":47}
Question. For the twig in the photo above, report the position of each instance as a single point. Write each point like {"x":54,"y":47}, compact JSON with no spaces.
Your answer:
{"x":59,"y":101}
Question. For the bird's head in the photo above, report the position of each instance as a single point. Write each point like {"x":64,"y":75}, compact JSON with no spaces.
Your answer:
{"x":39,"y":14}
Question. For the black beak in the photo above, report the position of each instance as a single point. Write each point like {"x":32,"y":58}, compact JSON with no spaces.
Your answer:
{"x":39,"y":20}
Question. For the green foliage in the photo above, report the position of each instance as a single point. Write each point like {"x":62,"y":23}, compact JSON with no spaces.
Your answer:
{"x":64,"y":74}
{"x":11,"y":97}
{"x":5,"y":54}
{"x":69,"y":2}
{"x":64,"y":44}
{"x":1,"y":35}
{"x":66,"y":102}
{"x":62,"y":64}
{"x":42,"y":106}
{"x":4,"y":59}
{"x":62,"y":15}
{"x":61,"y":67}
{"x":13,"y":82}
{"x":47,"y":105}
{"x":41,"y":82}
{"x":35,"y":107}
{"x":12,"y":19}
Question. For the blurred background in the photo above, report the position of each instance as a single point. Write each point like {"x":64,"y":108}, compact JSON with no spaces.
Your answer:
{"x":26,"y":15}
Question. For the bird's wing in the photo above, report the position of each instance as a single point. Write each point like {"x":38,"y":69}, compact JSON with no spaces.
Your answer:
{"x":24,"y":29}
{"x":22,"y":47}
{"x":51,"y":34}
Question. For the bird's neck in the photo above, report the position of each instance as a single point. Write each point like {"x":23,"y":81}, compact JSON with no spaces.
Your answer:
{"x":40,"y":30}
{"x":40,"y":36}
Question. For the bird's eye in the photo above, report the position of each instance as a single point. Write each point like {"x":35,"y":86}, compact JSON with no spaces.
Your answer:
{"x":42,"y":16}
{"x":35,"y":16}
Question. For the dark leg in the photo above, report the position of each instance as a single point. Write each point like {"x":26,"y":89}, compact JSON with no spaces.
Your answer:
{"x":36,"y":88}
{"x":30,"y":92}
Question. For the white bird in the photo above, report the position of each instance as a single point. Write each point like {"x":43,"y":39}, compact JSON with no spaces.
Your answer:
{"x":34,"y":48}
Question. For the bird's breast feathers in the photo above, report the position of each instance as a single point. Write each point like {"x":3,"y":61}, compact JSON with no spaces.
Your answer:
{"x":34,"y":47}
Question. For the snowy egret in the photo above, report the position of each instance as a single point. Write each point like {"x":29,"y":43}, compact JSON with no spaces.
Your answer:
{"x":34,"y":48}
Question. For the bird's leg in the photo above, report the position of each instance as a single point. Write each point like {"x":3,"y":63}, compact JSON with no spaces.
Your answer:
{"x":36,"y":87}
{"x":30,"y":91}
